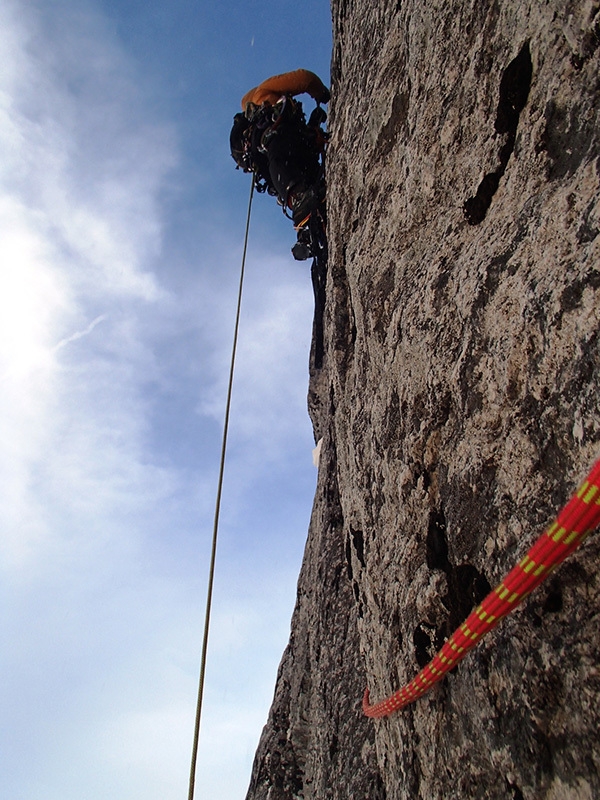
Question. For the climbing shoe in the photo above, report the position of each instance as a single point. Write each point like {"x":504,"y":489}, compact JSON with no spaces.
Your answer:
{"x":302,"y":250}
{"x":304,"y":203}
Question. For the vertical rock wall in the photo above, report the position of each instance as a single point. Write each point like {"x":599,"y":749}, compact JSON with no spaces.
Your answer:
{"x":459,"y":407}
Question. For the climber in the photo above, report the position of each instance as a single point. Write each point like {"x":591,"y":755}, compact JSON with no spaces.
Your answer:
{"x":272,"y":139}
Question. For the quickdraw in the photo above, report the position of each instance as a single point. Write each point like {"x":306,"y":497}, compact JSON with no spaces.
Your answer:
{"x":574,"y":523}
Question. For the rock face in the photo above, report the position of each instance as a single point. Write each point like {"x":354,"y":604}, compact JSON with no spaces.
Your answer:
{"x":458,"y":403}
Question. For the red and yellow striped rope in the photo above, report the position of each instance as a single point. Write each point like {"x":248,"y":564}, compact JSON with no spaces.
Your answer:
{"x":574,"y":523}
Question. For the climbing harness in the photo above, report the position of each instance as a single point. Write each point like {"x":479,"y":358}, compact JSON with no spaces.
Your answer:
{"x":285,"y":153}
{"x":213,"y":555}
{"x":574,"y":523}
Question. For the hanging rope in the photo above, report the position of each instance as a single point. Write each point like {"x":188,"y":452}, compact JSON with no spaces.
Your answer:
{"x":577,"y":519}
{"x":213,"y":555}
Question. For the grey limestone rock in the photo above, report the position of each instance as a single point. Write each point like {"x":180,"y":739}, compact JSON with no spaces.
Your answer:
{"x":458,"y":403}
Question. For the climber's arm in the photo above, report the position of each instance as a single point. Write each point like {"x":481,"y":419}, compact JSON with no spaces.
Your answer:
{"x":296,"y":82}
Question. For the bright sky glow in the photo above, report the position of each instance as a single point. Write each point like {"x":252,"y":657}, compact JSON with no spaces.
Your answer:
{"x":121,"y":225}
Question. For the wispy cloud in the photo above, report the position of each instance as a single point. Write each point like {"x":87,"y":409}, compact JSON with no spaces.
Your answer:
{"x":272,"y":352}
{"x":81,"y":170}
{"x":79,"y":334}
{"x":79,"y":229}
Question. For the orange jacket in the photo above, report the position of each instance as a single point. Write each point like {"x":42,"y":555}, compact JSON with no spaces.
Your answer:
{"x":296,"y":82}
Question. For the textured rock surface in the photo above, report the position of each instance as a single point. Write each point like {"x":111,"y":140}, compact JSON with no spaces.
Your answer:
{"x":458,"y":402}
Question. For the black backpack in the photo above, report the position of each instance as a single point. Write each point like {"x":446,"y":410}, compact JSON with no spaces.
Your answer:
{"x":239,"y":142}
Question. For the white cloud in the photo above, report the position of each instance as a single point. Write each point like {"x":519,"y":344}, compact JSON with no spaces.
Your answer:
{"x":73,"y":337}
{"x":80,"y":174}
{"x":81,"y":171}
{"x":271,"y":372}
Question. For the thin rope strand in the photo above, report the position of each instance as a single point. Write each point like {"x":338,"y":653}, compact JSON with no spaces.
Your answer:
{"x":213,"y":555}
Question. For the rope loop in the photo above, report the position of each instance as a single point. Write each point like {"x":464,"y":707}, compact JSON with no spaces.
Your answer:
{"x":574,"y":523}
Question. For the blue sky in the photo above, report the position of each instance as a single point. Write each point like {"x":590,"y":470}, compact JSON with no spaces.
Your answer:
{"x":121,"y":225}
